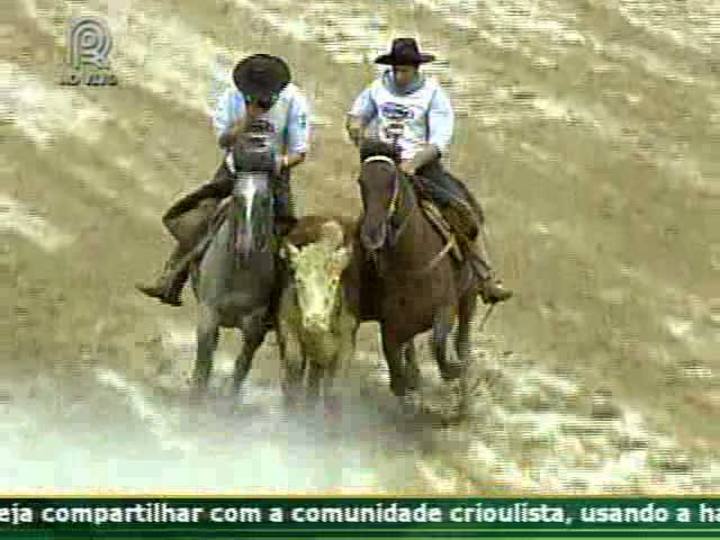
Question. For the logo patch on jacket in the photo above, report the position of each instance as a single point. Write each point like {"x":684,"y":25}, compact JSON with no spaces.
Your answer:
{"x":396,"y":111}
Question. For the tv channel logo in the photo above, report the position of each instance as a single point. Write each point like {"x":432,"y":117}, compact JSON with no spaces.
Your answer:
{"x":89,"y":43}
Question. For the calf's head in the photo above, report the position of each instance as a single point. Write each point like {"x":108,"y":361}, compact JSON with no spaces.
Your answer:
{"x":316,"y":270}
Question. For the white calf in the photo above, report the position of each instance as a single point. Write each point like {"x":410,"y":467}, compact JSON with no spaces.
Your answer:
{"x":315,"y":325}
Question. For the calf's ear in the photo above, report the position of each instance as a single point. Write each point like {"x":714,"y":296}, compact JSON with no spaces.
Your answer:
{"x":288,"y":251}
{"x":341,"y":258}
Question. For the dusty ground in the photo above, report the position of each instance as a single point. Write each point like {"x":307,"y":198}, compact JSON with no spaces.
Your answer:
{"x":590,"y":130}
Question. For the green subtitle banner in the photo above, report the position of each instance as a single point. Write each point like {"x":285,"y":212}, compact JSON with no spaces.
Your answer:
{"x":362,"y":517}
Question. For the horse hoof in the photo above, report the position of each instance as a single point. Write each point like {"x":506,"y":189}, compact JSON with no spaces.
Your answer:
{"x":197,"y":396}
{"x":452,"y":372}
{"x":292,"y":406}
{"x":332,"y":410}
{"x":413,"y":381}
{"x":410,"y":404}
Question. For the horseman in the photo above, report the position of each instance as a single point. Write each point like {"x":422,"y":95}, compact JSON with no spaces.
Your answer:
{"x":413,"y":113}
{"x":263,"y":95}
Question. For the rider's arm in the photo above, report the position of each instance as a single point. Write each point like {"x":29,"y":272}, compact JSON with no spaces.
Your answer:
{"x":440,"y":121}
{"x":363,"y":110}
{"x":228,"y":117}
{"x":422,"y":157}
{"x":440,"y":127}
{"x":298,"y":131}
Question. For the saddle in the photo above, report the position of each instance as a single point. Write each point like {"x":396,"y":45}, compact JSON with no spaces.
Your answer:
{"x":202,"y":238}
{"x":458,"y":220}
{"x":443,"y":226}
{"x":215,"y":221}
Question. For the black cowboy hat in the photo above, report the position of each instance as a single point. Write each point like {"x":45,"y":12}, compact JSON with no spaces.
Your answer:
{"x":404,"y":52}
{"x":261,"y":77}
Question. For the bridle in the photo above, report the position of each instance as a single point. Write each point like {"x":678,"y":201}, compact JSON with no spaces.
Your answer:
{"x":255,"y":143}
{"x":392,"y":211}
{"x":394,"y":200}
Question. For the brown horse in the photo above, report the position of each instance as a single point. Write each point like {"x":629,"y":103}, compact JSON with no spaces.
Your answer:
{"x":412,"y":283}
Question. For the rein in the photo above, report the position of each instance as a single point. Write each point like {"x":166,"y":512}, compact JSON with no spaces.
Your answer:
{"x":395,"y":199}
{"x":392,"y":210}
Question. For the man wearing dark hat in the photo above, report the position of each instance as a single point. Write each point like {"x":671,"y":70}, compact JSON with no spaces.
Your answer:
{"x":413,"y":113}
{"x":264,"y":95}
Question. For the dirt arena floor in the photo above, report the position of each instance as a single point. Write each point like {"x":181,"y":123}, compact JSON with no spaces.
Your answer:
{"x":588,"y":128}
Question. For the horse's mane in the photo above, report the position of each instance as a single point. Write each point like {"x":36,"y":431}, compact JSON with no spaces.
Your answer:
{"x":376,"y":147}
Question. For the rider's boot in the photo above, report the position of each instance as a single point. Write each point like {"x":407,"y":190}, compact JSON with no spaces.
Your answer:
{"x":168,"y":287}
{"x":464,"y":223}
{"x":491,"y":289}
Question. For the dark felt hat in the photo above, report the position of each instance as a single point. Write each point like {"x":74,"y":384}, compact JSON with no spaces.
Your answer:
{"x":261,"y":76}
{"x":404,"y":52}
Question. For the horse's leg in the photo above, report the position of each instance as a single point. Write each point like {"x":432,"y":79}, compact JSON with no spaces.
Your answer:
{"x":254,"y":330}
{"x":466,"y":312}
{"x":313,"y":387}
{"x":207,"y":340}
{"x":442,"y":326}
{"x":411,"y":401}
{"x":331,"y":401}
{"x":412,"y":372}
{"x":348,"y":327}
{"x":393,"y":352}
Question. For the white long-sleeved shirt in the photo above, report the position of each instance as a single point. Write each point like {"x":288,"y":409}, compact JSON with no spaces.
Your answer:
{"x":416,"y":118}
{"x":288,"y":117}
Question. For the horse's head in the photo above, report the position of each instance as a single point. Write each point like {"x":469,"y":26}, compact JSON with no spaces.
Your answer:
{"x":316,"y":269}
{"x":253,"y":165}
{"x":380,"y":188}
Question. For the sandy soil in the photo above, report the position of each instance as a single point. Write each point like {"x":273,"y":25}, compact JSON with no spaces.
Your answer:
{"x":588,"y":128}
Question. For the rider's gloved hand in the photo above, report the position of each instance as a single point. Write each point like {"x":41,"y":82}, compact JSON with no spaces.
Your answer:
{"x":281,"y":163}
{"x":407,"y":167}
{"x":424,"y":156}
{"x":228,"y":138}
{"x":354,"y":127}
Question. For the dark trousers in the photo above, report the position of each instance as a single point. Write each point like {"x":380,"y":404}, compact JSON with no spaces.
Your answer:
{"x":220,"y":187}
{"x":444,"y":189}
{"x":461,"y":209}
{"x":189,"y":221}
{"x":448,"y":193}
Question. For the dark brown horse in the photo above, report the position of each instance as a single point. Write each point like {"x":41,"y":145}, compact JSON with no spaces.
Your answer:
{"x":412,"y":283}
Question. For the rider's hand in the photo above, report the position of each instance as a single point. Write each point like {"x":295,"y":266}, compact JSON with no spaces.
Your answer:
{"x":228,"y":138}
{"x":282,"y":163}
{"x":354,"y":135}
{"x":407,"y":167}
{"x":254,"y":111}
{"x":354,"y":128}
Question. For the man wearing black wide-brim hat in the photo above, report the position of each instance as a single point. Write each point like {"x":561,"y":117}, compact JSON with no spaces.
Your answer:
{"x":263,"y":96}
{"x":413,"y":113}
